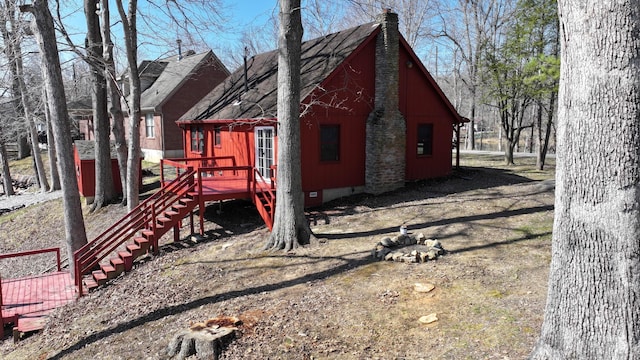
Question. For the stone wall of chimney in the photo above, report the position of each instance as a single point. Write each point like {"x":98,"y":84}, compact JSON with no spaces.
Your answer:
{"x":386,"y":127}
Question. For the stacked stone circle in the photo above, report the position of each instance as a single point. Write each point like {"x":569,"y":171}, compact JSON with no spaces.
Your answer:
{"x":391,"y":249}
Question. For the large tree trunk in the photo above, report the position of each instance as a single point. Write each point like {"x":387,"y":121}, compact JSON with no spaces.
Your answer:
{"x":133,"y":161}
{"x":290,"y":228}
{"x":104,"y":193}
{"x":75,"y":234}
{"x":117,"y":117}
{"x":593,"y":304}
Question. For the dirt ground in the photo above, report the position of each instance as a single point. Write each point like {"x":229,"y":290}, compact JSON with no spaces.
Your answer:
{"x":329,"y":300}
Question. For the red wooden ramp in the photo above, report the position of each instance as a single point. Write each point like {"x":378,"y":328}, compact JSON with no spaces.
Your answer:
{"x":26,"y":302}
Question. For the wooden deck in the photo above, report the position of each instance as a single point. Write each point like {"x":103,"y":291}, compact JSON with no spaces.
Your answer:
{"x":26,"y":302}
{"x":225,"y":188}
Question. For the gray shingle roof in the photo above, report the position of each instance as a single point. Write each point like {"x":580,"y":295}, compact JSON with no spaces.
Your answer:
{"x":320,"y":57}
{"x":86,"y":149}
{"x":172,"y":73}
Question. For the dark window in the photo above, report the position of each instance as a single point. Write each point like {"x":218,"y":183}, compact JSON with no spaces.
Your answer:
{"x":217,"y":141}
{"x":197,"y":139}
{"x":425,"y":139}
{"x":329,"y":142}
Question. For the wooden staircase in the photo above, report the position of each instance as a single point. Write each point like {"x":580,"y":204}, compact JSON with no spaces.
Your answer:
{"x":264,"y":197}
{"x":114,"y":251}
{"x":108,"y":255}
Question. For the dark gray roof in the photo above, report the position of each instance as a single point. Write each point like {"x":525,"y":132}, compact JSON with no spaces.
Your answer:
{"x":151,"y":69}
{"x":86,"y":149}
{"x":320,"y":57}
{"x":173,"y":73}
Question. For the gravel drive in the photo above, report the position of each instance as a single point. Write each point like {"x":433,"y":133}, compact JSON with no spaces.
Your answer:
{"x":27,"y":198}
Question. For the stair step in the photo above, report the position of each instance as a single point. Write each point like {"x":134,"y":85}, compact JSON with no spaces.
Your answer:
{"x":171,"y":213}
{"x":178,"y":206}
{"x":99,"y":277}
{"x":142,"y":242}
{"x":163,"y":220}
{"x":147,"y":234}
{"x":186,"y":201}
{"x":135,"y":250}
{"x":109,"y":270}
{"x":118,"y":264}
{"x":127,"y":258}
{"x":89,"y":284}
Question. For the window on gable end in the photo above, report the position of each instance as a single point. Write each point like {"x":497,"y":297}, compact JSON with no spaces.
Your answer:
{"x":329,"y":142}
{"x":425,"y":139}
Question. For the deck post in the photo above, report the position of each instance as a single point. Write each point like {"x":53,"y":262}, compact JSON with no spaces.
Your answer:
{"x":176,"y":233}
{"x":200,"y":203}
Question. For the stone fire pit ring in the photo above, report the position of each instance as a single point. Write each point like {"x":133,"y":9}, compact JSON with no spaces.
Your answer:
{"x":408,"y":248}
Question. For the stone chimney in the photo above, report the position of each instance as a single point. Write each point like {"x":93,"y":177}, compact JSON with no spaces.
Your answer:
{"x":386,"y":127}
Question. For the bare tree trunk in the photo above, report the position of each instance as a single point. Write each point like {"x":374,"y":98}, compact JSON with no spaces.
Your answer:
{"x":6,"y":172}
{"x":471,"y":131}
{"x":51,"y":148}
{"x":75,"y":234}
{"x":13,"y":50}
{"x":133,"y":160}
{"x":543,"y":138}
{"x":28,"y":114}
{"x":290,"y":227}
{"x":24,"y":149}
{"x":117,"y":117}
{"x":593,"y":303}
{"x":35,"y":151}
{"x":104,"y":193}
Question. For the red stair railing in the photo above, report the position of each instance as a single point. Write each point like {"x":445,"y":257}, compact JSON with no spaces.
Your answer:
{"x":89,"y":256}
{"x":260,"y":187}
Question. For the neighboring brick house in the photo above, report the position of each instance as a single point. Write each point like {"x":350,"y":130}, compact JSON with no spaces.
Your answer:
{"x":373,"y":116}
{"x":170,"y":87}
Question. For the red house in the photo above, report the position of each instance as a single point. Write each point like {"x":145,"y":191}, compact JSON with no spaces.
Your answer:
{"x":373,"y":117}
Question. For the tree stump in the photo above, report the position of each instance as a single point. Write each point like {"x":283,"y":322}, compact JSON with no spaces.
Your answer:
{"x":205,"y":340}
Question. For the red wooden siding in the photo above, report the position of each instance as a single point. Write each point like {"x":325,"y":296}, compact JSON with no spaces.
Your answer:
{"x":239,"y":142}
{"x":421,"y":104}
{"x":353,"y":84}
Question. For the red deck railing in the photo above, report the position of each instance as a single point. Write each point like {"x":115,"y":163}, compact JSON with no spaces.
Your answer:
{"x":90,"y":255}
{"x":21,"y":254}
{"x":181,"y":165}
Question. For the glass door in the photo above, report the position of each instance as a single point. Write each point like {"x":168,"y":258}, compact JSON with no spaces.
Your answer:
{"x":264,"y":150}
